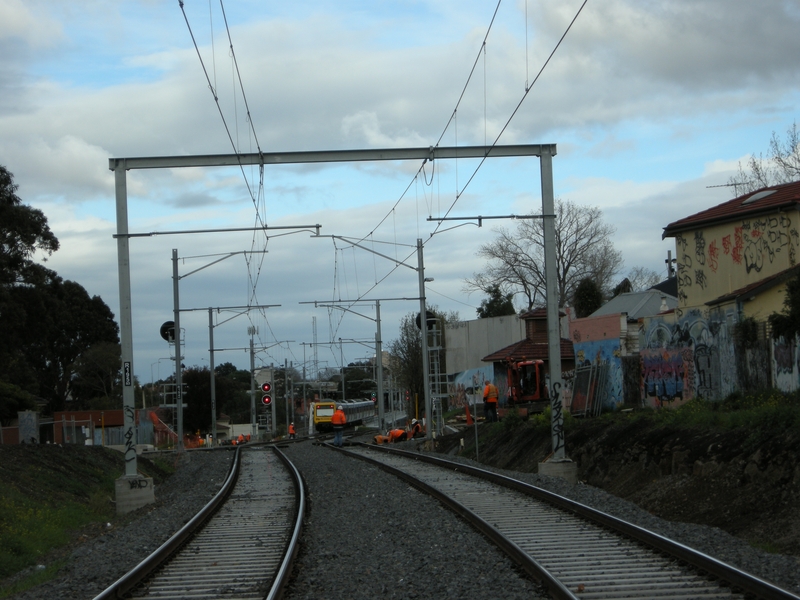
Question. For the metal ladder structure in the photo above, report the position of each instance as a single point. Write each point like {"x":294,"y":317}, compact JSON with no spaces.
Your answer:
{"x":437,"y":380}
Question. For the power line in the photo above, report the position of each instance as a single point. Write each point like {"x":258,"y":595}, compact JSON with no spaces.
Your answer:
{"x":453,"y":118}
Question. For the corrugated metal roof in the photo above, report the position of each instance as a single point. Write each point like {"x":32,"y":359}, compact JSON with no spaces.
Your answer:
{"x":636,"y":304}
{"x":780,"y":197}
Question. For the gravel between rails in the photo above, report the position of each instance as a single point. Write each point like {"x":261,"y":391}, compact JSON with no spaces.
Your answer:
{"x":402,"y":544}
{"x":370,"y":535}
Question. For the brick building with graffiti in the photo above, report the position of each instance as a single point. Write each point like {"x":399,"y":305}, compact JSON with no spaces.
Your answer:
{"x":709,"y":335}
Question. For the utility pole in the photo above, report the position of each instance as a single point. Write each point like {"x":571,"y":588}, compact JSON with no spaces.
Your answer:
{"x":251,"y":331}
{"x":423,"y":326}
{"x":286,"y":392}
{"x":178,"y":370}
{"x":379,"y":364}
{"x":213,"y":380}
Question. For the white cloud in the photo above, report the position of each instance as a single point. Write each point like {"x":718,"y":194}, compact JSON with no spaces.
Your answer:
{"x":22,"y":23}
{"x":649,"y":104}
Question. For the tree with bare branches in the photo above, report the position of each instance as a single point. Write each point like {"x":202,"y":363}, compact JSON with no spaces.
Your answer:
{"x":782,"y":165}
{"x":515,"y":260}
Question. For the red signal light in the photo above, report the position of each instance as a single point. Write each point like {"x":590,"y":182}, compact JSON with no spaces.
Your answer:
{"x":266,"y":387}
{"x":266,"y":400}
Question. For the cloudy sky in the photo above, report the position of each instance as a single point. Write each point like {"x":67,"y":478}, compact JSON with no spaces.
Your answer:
{"x":651,"y":104}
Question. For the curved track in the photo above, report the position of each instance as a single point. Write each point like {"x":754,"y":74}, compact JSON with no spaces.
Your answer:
{"x":576,"y":551}
{"x":243,"y":551}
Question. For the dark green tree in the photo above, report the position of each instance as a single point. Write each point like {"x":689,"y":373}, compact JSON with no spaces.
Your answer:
{"x":46,"y":323}
{"x":360,"y":380}
{"x":588,"y":298}
{"x":406,"y":350}
{"x":232,"y":387}
{"x":497,"y":304}
{"x":623,"y":287}
{"x":786,"y":323}
{"x":57,"y":322}
{"x":97,"y":378}
{"x":197,"y":414}
{"x":23,"y":230}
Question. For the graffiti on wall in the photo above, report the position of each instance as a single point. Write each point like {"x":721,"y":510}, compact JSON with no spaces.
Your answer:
{"x":606,"y":352}
{"x":665,"y":377}
{"x":693,"y":365}
{"x":753,"y":244}
{"x":786,"y":364}
{"x":467,"y":386}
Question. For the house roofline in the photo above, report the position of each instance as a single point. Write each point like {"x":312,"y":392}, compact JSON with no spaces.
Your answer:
{"x":670,"y":231}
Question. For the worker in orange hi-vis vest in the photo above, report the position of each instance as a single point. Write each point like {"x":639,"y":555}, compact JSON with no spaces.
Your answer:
{"x":397,"y":435}
{"x":292,"y":431}
{"x":490,"y":398}
{"x":338,"y":421}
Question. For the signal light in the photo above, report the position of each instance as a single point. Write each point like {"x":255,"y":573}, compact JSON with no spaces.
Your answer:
{"x":266,"y":400}
{"x":266,"y":387}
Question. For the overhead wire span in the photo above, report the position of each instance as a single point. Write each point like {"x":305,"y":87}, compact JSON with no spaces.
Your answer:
{"x":421,"y":169}
{"x":213,"y":90}
{"x":453,"y":117}
{"x":513,"y":113}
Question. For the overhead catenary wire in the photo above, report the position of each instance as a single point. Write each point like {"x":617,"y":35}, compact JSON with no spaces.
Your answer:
{"x":513,"y":113}
{"x":453,"y":120}
{"x":421,"y":169}
{"x":254,"y":268}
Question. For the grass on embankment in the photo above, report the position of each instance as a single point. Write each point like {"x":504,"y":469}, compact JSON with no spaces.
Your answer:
{"x":764,"y":414}
{"x":49,"y":495}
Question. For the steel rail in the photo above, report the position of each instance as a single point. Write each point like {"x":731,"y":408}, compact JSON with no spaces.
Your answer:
{"x":522,"y":558}
{"x":285,"y":570}
{"x":165,"y":571}
{"x":737,"y":579}
{"x":141,"y":571}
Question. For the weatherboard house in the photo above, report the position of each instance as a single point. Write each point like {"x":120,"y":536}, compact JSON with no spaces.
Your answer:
{"x":733,"y":261}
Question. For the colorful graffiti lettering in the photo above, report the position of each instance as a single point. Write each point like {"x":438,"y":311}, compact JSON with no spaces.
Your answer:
{"x":130,"y":447}
{"x":664,"y":377}
{"x":700,"y":247}
{"x":700,"y":278}
{"x":736,"y":253}
{"x":713,"y":256}
{"x":726,"y":245}
{"x":557,"y":418}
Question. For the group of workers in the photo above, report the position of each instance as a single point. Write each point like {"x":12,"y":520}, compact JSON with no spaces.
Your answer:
{"x":339,"y":420}
{"x":400,"y":435}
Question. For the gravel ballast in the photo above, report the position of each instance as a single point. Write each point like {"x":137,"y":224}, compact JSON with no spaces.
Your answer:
{"x":370,"y":535}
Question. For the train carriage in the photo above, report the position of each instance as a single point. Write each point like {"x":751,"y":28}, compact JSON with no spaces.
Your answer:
{"x":356,"y":412}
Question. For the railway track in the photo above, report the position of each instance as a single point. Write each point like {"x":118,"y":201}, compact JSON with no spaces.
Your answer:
{"x":575,"y":551}
{"x":239,"y":546}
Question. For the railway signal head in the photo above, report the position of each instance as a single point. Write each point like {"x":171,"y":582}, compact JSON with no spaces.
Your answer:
{"x":167,"y":331}
{"x":266,"y":399}
{"x":266,"y":387}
